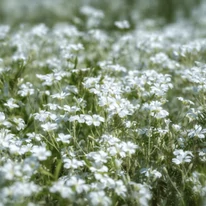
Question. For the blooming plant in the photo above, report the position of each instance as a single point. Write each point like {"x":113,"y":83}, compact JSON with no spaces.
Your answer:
{"x":101,"y":111}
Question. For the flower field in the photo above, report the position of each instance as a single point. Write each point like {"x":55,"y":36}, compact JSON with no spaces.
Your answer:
{"x":101,"y":111}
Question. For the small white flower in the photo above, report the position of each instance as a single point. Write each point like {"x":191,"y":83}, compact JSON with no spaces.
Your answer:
{"x":192,"y":114}
{"x":40,"y":152}
{"x":60,"y":96}
{"x":88,"y":119}
{"x":161,"y":114}
{"x":39,"y":30}
{"x":185,"y":101}
{"x":52,"y":106}
{"x":182,"y":156}
{"x":152,"y":173}
{"x":109,"y":139}
{"x":78,"y":184}
{"x":129,"y":147}
{"x":74,"y":118}
{"x":26,"y":89}
{"x":99,"y":198}
{"x":33,"y":135}
{"x":98,"y":167}
{"x":97,"y":120}
{"x":176,"y":127}
{"x":48,"y":127}
{"x":75,"y":47}
{"x":197,"y":132}
{"x":92,"y":12}
{"x":2,"y":117}
{"x":94,"y":119}
{"x":141,"y":193}
{"x":202,"y":155}
{"x":122,"y":24}
{"x":4,"y":29}
{"x":11,"y":103}
{"x":64,"y":138}
{"x":65,"y":191}
{"x":119,"y":188}
{"x":20,"y":124}
{"x":99,"y":157}
{"x":73,"y":163}
{"x":20,"y":190}
{"x":69,"y":109}
{"x":11,"y":170}
{"x":105,"y":180}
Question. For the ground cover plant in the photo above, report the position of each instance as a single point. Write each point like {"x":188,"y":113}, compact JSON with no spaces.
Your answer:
{"x":99,"y":110}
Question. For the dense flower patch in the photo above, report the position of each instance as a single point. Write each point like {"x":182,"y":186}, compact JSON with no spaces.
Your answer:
{"x":93,"y":117}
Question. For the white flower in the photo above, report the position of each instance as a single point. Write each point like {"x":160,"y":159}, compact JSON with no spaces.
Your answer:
{"x":52,"y":106}
{"x":11,"y":170}
{"x":18,"y":190}
{"x":116,"y":104}
{"x":78,"y":184}
{"x":119,"y":188}
{"x":4,"y":29}
{"x":145,"y":195}
{"x":48,"y":127}
{"x":99,"y":157}
{"x":40,"y":152}
{"x":2,"y":117}
{"x":33,"y":135}
{"x":52,"y":78}
{"x":75,"y":118}
{"x":192,"y":114}
{"x":67,"y":108}
{"x":197,"y":132}
{"x":82,"y":118}
{"x":88,"y":119}
{"x":129,"y":147}
{"x":90,"y":82}
{"x":141,"y":193}
{"x":176,"y":127}
{"x":39,"y":30}
{"x":99,"y":198}
{"x":160,"y":114}
{"x":97,"y":120}
{"x":202,"y":155}
{"x":43,"y":115}
{"x":75,"y":47}
{"x":185,"y":101}
{"x":152,"y":173}
{"x":49,"y":79}
{"x":156,"y":110}
{"x":122,"y":24}
{"x":6,"y":138}
{"x":60,"y":96}
{"x":11,"y":103}
{"x":26,"y":89}
{"x":105,"y":180}
{"x":92,"y":12}
{"x":109,"y":139}
{"x":182,"y":156}
{"x":64,"y":138}
{"x":20,"y":124}
{"x":73,"y":163}
{"x":98,"y":167}
{"x":65,"y":191}
{"x":122,"y":148}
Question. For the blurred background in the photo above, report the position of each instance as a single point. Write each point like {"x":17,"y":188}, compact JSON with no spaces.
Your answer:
{"x":49,"y":12}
